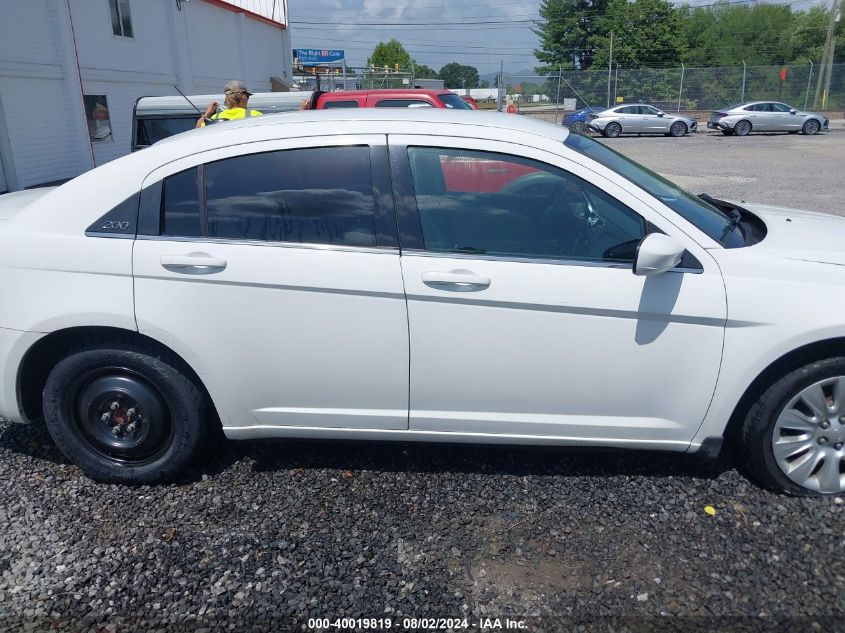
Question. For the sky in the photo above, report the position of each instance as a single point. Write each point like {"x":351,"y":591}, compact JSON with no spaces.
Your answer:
{"x":435,"y":32}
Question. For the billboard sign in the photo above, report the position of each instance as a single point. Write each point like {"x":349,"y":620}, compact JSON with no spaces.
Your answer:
{"x":314,"y":56}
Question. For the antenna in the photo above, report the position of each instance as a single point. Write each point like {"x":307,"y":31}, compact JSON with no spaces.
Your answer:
{"x":202,"y":114}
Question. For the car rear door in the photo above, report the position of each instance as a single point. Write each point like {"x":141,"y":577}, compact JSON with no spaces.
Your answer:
{"x":274,"y":270}
{"x":525,"y":318}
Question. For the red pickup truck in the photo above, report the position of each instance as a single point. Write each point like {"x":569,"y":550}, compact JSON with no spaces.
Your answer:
{"x":396,"y":98}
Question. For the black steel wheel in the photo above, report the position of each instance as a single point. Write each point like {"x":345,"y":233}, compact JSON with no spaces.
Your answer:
{"x":123,"y":414}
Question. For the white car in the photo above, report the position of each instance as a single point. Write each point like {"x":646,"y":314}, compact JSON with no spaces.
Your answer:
{"x":417,"y":276}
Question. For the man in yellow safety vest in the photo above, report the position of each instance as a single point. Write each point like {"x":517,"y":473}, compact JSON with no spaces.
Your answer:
{"x":236,"y":102}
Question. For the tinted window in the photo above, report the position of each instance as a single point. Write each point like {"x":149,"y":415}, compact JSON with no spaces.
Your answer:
{"x":403,"y":103}
{"x":148,"y":131}
{"x":451,"y":100}
{"x":339,"y":104}
{"x":780,"y":107}
{"x":648,"y":110}
{"x":180,"y":208}
{"x":321,"y":195}
{"x":496,"y":204}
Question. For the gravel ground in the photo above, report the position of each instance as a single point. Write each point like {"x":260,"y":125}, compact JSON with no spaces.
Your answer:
{"x":788,"y":170}
{"x":269,"y":534}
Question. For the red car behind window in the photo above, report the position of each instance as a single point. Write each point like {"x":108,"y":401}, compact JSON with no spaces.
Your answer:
{"x":407,"y":98}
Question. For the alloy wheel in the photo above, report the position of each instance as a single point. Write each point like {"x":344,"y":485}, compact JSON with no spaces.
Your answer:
{"x":808,"y":439}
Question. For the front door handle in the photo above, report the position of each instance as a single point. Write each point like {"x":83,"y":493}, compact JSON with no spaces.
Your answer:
{"x":194,"y":263}
{"x":459,"y":279}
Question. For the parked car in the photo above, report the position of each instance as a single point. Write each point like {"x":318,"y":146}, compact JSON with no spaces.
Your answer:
{"x":155,"y":118}
{"x":417,"y":275}
{"x":640,"y":118}
{"x":577,"y":121}
{"x":389,"y":98}
{"x":766,"y":116}
{"x":472,"y":102}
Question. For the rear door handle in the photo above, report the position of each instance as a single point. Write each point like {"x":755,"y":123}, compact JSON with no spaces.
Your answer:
{"x":459,"y":279}
{"x":199,"y":263}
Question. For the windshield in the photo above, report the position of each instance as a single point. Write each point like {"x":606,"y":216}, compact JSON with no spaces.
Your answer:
{"x":710,"y":220}
{"x":451,"y":100}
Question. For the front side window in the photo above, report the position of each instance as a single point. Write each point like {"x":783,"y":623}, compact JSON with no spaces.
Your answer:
{"x":403,"y":103}
{"x":710,"y":220}
{"x":780,"y":107}
{"x":320,"y":195}
{"x":648,"y":110}
{"x":495,"y":204}
{"x":451,"y":100}
{"x":121,"y":19}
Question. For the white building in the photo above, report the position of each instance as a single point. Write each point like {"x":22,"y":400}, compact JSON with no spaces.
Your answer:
{"x":71,"y":71}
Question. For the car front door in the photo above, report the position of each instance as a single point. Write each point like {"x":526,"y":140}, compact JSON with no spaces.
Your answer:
{"x":525,"y":318}
{"x":652,"y":122}
{"x":276,"y":275}
{"x":783,"y":119}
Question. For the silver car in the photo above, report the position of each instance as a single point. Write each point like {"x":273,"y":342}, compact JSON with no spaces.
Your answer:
{"x":640,"y":118}
{"x":765,"y":116}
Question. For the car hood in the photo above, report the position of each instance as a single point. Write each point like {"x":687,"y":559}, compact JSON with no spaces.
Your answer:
{"x":12,"y":203}
{"x":802,"y":235}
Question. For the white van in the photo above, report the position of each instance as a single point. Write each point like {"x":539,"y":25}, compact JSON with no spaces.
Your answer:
{"x":155,"y":118}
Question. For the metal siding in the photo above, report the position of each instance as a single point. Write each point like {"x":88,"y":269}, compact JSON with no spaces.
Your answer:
{"x":38,"y":130}
{"x":41,"y":93}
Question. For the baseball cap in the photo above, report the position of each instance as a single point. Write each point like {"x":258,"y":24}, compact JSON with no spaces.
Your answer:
{"x":234,"y":87}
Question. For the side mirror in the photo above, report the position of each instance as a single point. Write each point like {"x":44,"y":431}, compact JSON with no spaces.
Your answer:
{"x":661,"y":113}
{"x":793,"y":111}
{"x":656,"y":254}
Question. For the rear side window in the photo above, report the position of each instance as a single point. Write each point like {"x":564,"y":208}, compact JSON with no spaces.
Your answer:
{"x":403,"y":103}
{"x":321,"y":195}
{"x":180,"y":205}
{"x":339,"y":104}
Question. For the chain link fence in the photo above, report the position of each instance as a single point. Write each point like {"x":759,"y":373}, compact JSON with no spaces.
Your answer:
{"x":676,"y":89}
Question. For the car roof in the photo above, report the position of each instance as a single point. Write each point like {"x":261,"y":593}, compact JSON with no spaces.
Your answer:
{"x":277,"y":125}
{"x":387,"y":91}
{"x":171,"y":105}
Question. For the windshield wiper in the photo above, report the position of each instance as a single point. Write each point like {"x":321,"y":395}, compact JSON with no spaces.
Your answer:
{"x":733,"y":212}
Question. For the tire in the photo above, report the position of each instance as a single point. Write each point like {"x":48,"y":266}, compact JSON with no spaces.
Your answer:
{"x":742,"y":128}
{"x":781,"y":413}
{"x":728,"y":132}
{"x":811,"y":127}
{"x":124,"y":414}
{"x":578,"y":127}
{"x":612,"y":130}
{"x":677,"y":129}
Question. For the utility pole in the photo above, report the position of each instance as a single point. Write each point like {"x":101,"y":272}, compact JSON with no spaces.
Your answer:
{"x":826,"y":66}
{"x":557,"y":97}
{"x":610,"y":68}
{"x":501,"y":81}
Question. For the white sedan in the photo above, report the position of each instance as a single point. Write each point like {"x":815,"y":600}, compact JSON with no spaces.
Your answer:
{"x":417,"y":276}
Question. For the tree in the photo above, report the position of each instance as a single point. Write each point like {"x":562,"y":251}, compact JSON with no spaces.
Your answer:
{"x":389,"y":54}
{"x":457,"y":75}
{"x":421,"y":71}
{"x":484,"y":84}
{"x":567,"y":33}
{"x":646,"y":33}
